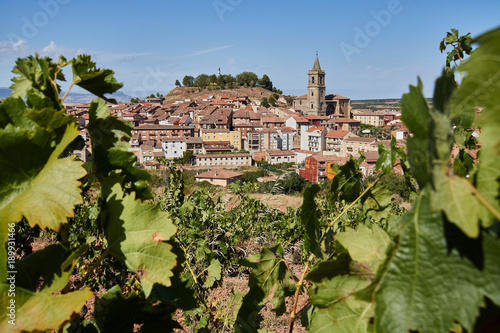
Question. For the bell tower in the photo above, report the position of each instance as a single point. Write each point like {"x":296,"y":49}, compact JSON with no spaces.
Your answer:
{"x":316,"y":89}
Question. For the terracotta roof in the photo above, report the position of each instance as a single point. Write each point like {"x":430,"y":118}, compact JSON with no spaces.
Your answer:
{"x":298,"y":151}
{"x":337,"y":134}
{"x":316,"y":128}
{"x":219,"y":174}
{"x":280,"y":152}
{"x":358,"y":139}
{"x":222,"y":155}
{"x":287,"y":129}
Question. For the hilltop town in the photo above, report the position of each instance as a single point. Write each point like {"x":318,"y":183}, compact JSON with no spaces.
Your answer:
{"x":227,"y":130}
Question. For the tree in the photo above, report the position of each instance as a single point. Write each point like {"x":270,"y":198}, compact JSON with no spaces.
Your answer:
{"x":266,"y":83}
{"x":177,"y":83}
{"x":246,"y":78}
{"x":202,"y":81}
{"x":135,"y":100}
{"x":272,"y":101}
{"x":188,"y":81}
{"x":265,"y":102}
{"x":213,"y":79}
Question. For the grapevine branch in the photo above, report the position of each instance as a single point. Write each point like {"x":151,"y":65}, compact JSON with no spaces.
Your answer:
{"x":300,"y":284}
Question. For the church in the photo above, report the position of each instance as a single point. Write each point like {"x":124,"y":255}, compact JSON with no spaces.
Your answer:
{"x":316,"y":102}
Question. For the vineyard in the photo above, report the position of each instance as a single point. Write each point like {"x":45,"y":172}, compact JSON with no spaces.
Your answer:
{"x":130,"y":261}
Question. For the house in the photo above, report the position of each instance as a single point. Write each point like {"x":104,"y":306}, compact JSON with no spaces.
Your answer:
{"x":227,"y":160}
{"x":219,"y":136}
{"x":347,"y":124}
{"x":146,"y":153}
{"x":195,"y":145}
{"x":356,"y":145}
{"x":313,"y":139}
{"x":334,"y":140}
{"x":369,"y":117}
{"x":219,"y":177}
{"x":280,"y":156}
{"x":286,"y":135}
{"x":173,"y":147}
{"x":316,"y":167}
{"x":301,"y":155}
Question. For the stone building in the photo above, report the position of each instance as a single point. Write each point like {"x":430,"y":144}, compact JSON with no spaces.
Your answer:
{"x":316,"y":102}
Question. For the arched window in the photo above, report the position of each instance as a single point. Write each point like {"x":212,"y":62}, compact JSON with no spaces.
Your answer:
{"x":312,"y":105}
{"x":312,"y":79}
{"x":312,"y":93}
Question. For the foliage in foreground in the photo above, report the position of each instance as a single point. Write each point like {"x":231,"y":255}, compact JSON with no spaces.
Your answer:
{"x":367,"y":267}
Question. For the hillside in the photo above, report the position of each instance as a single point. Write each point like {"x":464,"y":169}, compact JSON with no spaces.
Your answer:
{"x":181,"y":93}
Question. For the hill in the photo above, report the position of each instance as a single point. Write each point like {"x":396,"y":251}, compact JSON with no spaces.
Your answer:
{"x":77,"y":98}
{"x":181,"y":93}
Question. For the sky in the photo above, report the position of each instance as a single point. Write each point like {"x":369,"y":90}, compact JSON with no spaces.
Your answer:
{"x":368,"y":49}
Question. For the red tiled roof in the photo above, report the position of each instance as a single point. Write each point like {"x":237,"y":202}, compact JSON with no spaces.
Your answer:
{"x":316,"y":128}
{"x":336,"y":134}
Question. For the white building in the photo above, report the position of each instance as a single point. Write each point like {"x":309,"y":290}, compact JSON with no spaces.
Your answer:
{"x":173,"y":147}
{"x":313,"y":139}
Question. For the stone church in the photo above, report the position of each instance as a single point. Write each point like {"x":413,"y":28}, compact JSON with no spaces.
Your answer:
{"x":316,"y":102}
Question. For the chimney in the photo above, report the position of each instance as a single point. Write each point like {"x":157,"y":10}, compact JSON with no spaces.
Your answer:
{"x":215,"y":173}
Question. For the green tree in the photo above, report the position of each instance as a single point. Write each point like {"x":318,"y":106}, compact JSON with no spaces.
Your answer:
{"x":188,"y":81}
{"x":202,"y":81}
{"x":265,"y":82}
{"x":246,"y":78}
{"x":272,"y":101}
{"x":177,"y":83}
{"x":264,"y":102}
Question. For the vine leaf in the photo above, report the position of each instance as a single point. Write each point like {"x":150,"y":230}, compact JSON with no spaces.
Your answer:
{"x":309,"y":218}
{"x":136,"y":232}
{"x":347,"y":185}
{"x":214,"y":273}
{"x":110,"y":137}
{"x":416,"y":116}
{"x":37,"y":74}
{"x":428,"y":285}
{"x":481,"y":89}
{"x":96,"y":81}
{"x":269,"y":271}
{"x":343,"y":304}
{"x":454,"y":196}
{"x":366,"y":245}
{"x":57,"y":309}
{"x":46,"y":198}
{"x":55,"y":265}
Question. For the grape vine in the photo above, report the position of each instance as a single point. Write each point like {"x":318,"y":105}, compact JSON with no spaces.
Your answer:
{"x":369,"y":265}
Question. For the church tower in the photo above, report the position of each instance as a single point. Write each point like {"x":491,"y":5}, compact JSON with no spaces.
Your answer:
{"x":316,"y":90}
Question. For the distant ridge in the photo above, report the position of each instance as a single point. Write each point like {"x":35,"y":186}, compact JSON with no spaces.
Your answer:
{"x":76,"y":98}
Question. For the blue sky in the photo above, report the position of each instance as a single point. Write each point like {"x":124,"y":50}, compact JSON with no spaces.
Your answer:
{"x":369,"y":49}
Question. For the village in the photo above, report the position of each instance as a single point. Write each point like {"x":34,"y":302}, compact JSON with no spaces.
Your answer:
{"x":224,"y":131}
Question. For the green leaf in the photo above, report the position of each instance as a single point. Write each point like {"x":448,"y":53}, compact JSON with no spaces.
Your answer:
{"x":454,"y":196}
{"x":54,"y":264}
{"x":416,"y":116}
{"x":95,"y":80}
{"x":376,"y":202}
{"x":40,"y":311}
{"x":110,"y":155}
{"x":38,"y":75}
{"x":481,"y":88}
{"x":348,"y":183}
{"x":45,"y":197}
{"x":349,"y":316}
{"x":136,"y":232}
{"x":309,"y":217}
{"x":429,"y":284}
{"x":269,"y":271}
{"x":366,"y":245}
{"x":214,"y":273}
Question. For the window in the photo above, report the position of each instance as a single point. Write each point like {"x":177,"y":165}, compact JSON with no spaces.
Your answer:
{"x":312,"y":79}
